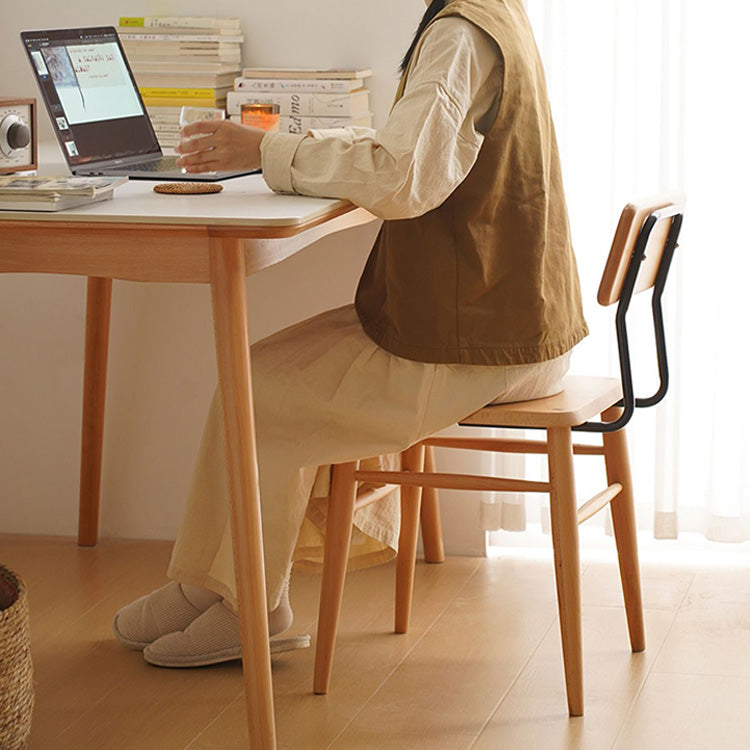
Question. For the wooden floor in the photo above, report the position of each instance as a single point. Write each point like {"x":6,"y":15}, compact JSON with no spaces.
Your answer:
{"x":481,"y":667}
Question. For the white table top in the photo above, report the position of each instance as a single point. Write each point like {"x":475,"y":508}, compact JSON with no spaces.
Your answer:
{"x":244,"y":201}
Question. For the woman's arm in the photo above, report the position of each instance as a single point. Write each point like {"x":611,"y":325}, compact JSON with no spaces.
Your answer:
{"x":406,"y":168}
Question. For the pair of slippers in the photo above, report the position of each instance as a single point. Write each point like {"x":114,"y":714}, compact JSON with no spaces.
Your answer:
{"x":171,"y":632}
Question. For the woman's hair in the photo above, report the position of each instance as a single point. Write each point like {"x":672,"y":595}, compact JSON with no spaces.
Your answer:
{"x":432,"y":10}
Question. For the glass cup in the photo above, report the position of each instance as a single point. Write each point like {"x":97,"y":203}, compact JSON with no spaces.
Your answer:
{"x":261,"y":115}
{"x":198,"y":114}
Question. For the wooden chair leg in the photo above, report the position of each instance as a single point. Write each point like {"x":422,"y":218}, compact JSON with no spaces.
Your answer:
{"x":336,"y":554}
{"x":429,"y":516}
{"x":413,"y":460}
{"x":564,"y":522}
{"x":98,"y":304}
{"x":624,"y":526}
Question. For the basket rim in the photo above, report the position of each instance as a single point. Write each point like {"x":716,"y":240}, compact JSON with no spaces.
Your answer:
{"x":17,"y":584}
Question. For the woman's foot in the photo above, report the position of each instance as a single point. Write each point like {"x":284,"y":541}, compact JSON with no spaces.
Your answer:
{"x":214,"y":637}
{"x":168,"y":609}
{"x":186,"y":626}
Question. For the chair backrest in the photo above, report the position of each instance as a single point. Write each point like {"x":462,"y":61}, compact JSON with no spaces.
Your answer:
{"x":640,"y":258}
{"x":630,"y":229}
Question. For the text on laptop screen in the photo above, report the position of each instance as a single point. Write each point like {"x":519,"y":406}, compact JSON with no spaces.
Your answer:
{"x":90,"y":94}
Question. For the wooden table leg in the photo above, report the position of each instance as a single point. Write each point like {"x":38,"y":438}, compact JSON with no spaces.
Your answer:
{"x":98,"y":304}
{"x":229,"y":301}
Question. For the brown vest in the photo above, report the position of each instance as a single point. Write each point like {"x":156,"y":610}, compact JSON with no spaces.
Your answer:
{"x":489,"y":277}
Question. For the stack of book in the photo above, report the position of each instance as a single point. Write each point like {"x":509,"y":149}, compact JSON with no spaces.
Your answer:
{"x":181,"y":61}
{"x":23,"y":193}
{"x":307,"y":98}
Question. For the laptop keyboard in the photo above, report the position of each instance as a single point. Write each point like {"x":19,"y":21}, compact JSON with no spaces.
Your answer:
{"x":167,"y":164}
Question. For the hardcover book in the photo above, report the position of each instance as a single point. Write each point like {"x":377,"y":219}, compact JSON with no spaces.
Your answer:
{"x":190,"y":22}
{"x":300,"y":125}
{"x":306,"y":73}
{"x":334,"y":85}
{"x":304,"y":104}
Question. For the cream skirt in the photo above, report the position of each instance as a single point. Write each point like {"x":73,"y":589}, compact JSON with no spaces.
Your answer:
{"x":325,"y":393}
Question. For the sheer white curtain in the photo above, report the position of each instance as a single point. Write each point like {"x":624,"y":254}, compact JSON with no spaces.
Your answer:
{"x":650,"y":95}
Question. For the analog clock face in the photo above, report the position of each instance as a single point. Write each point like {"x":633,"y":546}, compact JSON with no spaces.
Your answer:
{"x":17,"y":136}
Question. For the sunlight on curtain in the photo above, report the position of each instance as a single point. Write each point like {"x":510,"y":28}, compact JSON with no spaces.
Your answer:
{"x":649,"y":95}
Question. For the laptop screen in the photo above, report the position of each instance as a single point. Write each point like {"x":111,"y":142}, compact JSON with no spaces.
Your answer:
{"x":90,"y":94}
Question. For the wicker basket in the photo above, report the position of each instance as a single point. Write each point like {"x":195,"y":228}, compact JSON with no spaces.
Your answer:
{"x":16,"y":685}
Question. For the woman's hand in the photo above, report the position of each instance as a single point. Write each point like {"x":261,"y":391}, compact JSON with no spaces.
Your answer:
{"x":221,"y":146}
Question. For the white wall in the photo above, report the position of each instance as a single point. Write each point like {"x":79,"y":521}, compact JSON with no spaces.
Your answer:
{"x":162,"y":371}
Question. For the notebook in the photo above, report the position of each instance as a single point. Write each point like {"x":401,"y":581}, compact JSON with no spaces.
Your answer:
{"x":96,"y":110}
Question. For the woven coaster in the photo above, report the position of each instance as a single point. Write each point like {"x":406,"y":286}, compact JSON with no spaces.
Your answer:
{"x":188,"y":188}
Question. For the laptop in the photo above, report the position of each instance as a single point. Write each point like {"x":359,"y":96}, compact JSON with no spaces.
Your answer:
{"x":96,"y":109}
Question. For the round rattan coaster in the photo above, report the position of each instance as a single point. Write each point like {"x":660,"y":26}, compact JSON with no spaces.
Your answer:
{"x":188,"y":188}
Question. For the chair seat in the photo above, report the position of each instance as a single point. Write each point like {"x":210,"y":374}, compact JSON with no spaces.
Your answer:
{"x":581,"y":399}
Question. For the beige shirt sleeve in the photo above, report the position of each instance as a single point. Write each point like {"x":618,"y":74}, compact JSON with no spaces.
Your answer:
{"x":425,"y":149}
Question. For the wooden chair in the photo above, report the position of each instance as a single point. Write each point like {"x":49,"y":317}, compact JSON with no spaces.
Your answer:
{"x":640,"y":257}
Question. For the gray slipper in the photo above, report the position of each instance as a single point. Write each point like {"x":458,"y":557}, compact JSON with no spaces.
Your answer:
{"x":152,"y":616}
{"x":212,"y":638}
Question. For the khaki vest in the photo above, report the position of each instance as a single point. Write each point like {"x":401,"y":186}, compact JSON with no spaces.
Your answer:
{"x":489,"y":277}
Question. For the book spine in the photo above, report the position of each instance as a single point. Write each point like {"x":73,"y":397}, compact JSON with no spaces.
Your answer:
{"x":196,"y":51}
{"x":176,"y":93}
{"x":182,"y":67}
{"x":298,"y":125}
{"x":179,"y":22}
{"x":302,"y":105}
{"x":214,"y":38}
{"x":347,"y":73}
{"x":180,"y":79}
{"x":173,"y":57}
{"x":169,"y":112}
{"x":172,"y":101}
{"x":332,"y":85}
{"x":166,"y":127}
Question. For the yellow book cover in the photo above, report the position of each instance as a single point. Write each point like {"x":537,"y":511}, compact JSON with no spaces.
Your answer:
{"x":175,"y":101}
{"x":182,"y":93}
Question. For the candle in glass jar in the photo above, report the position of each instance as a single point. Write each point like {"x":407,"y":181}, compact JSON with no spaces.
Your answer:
{"x":260,"y":115}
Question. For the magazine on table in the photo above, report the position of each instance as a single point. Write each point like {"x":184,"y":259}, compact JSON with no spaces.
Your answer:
{"x":29,"y":187}
{"x":25,"y":193}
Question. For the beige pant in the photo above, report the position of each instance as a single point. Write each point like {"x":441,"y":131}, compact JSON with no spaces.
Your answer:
{"x":325,"y":393}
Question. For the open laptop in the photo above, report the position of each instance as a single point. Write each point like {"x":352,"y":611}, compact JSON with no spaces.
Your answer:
{"x":97,"y":112}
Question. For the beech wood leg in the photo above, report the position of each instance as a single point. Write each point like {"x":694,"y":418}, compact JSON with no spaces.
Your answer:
{"x":564,"y":523}
{"x":429,"y":514}
{"x":413,"y":460}
{"x":229,"y":302}
{"x":98,"y":305}
{"x":624,"y":527}
{"x":335,"y":557}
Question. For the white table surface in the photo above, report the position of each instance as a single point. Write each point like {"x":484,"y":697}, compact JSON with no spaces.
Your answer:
{"x":244,"y":201}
